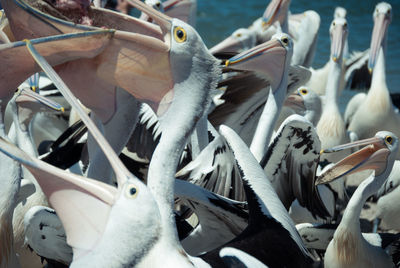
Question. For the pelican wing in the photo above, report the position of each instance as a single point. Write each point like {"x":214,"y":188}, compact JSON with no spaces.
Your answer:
{"x":146,"y":135}
{"x":220,"y":219}
{"x":45,"y":234}
{"x":215,"y":170}
{"x":236,"y":258}
{"x":244,"y":98}
{"x":357,"y":75}
{"x":291,"y":162}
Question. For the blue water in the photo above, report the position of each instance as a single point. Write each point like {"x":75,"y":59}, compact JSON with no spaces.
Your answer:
{"x":216,"y":19}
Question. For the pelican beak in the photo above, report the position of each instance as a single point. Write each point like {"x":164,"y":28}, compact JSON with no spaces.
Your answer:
{"x":338,"y":37}
{"x":230,"y":44}
{"x":161,"y":19}
{"x":381,"y":25}
{"x":271,"y":13}
{"x":28,"y":97}
{"x":296,"y":102}
{"x":373,"y":156}
{"x":268,"y":58}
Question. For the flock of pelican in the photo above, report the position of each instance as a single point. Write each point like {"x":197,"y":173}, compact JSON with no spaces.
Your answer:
{"x":126,"y":142}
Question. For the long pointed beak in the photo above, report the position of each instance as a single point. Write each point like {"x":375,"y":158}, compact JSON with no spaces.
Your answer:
{"x":380,"y":28}
{"x":161,"y":19}
{"x":270,"y":14}
{"x":268,"y":58}
{"x":230,"y":44}
{"x":352,"y":145}
{"x":337,"y":43}
{"x":31,"y":96}
{"x":374,"y":157}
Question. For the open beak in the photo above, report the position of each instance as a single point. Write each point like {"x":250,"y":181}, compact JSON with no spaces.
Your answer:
{"x":337,"y":42}
{"x":296,"y":102}
{"x":29,"y":97}
{"x":230,"y":44}
{"x":268,"y":58}
{"x":271,"y":13}
{"x":381,"y":25}
{"x":373,"y":156}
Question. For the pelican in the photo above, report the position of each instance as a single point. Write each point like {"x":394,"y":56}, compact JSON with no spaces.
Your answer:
{"x":348,"y":248}
{"x":306,"y":103}
{"x":376,"y":111}
{"x":331,"y":128}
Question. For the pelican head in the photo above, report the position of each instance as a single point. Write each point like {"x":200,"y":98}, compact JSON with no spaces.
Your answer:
{"x":340,"y":12}
{"x":183,"y":59}
{"x":305,"y":102}
{"x":239,"y":40}
{"x":276,"y":11}
{"x":270,"y":58}
{"x":378,"y":154}
{"x":382,"y":18}
{"x":338,"y":32}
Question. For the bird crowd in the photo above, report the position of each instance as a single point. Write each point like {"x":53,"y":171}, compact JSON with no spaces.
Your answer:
{"x":126,"y":142}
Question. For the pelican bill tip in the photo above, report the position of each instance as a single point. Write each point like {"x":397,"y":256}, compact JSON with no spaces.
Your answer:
{"x":227,"y":63}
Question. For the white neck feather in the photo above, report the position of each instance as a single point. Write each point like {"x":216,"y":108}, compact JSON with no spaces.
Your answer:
{"x":268,"y":118}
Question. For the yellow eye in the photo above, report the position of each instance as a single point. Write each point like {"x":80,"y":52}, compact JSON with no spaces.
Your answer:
{"x":285,"y":40}
{"x":238,"y":35}
{"x":389,"y":139}
{"x":132,"y":191}
{"x":179,"y":34}
{"x":303,"y":91}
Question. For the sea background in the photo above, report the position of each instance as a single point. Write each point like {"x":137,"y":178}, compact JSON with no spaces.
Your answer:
{"x":217,"y":19}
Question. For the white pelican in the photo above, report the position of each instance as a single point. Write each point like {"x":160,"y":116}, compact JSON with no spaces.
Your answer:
{"x":331,"y":128}
{"x":306,"y":103}
{"x":376,"y":111}
{"x":348,"y":248}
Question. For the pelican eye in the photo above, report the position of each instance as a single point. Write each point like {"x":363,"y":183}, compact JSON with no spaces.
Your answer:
{"x":345,"y":24}
{"x":389,"y":139}
{"x":132,"y":191}
{"x":334,"y":23}
{"x":285,"y":40}
{"x":303,"y":91}
{"x":158,"y":4}
{"x":179,"y":34}
{"x":238,"y":35}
